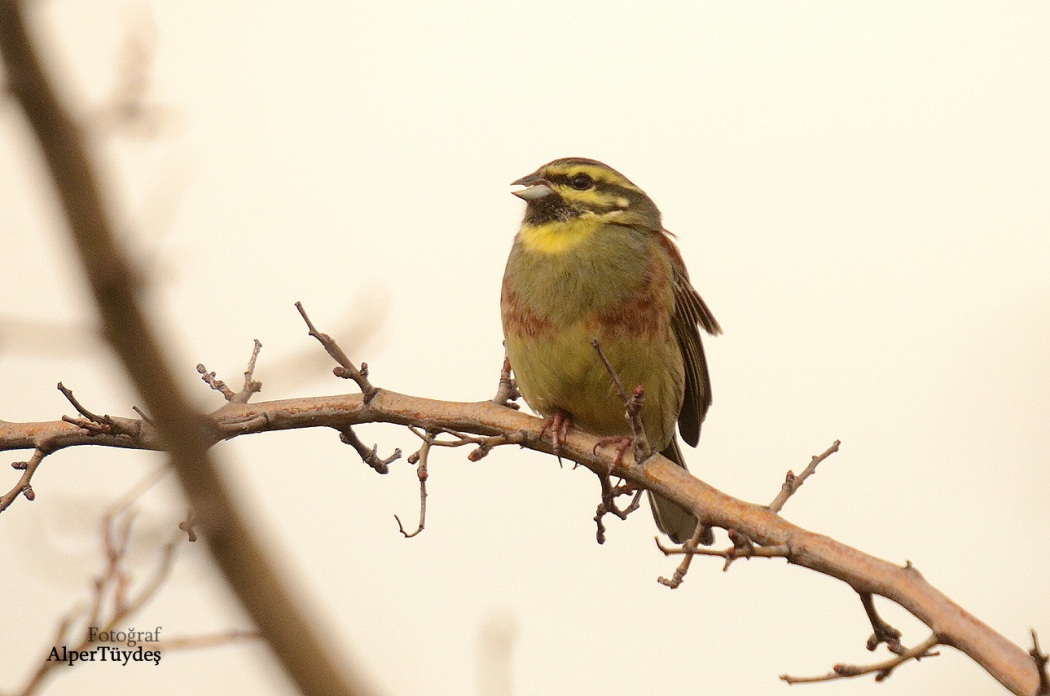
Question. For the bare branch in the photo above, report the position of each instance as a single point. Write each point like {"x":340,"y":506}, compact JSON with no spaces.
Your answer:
{"x":881,"y":670}
{"x":115,"y":601}
{"x":485,"y":423}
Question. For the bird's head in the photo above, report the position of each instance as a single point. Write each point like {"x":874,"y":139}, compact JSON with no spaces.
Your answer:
{"x":575,"y":188}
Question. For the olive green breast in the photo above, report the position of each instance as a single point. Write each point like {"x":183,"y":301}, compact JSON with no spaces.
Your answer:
{"x":614,"y":286}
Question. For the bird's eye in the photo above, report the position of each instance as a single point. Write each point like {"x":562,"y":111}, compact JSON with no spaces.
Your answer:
{"x":581,"y":182}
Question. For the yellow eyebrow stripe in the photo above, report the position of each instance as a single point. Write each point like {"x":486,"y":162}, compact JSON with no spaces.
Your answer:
{"x":599,"y":174}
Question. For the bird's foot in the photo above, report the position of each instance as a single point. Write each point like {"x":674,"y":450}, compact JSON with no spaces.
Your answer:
{"x":622,"y":444}
{"x":558,"y":425}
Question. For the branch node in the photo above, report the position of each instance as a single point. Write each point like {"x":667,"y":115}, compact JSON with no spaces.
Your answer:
{"x":368,"y":455}
{"x":883,"y":632}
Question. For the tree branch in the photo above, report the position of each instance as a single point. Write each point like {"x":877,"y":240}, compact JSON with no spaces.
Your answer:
{"x":952,"y":624}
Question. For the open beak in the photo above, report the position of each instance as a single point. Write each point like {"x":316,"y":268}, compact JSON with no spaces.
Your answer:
{"x":535,"y":187}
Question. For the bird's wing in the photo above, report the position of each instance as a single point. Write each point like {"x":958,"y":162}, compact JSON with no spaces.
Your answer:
{"x":690,"y":313}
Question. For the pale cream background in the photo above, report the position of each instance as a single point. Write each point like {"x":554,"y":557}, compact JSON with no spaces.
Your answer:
{"x":861,"y":193}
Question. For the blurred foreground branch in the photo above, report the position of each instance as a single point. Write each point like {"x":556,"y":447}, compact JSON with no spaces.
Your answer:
{"x":177,"y":429}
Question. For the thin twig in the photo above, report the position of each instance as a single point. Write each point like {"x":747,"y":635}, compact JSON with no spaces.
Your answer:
{"x":608,"y":505}
{"x":24,"y":486}
{"x":507,"y":392}
{"x":420,"y":459}
{"x":96,"y":424}
{"x":250,"y":388}
{"x":632,"y":406}
{"x":881,"y":670}
{"x":346,"y":368}
{"x":207,"y":640}
{"x":679,"y":574}
{"x":730,"y":554}
{"x":115,"y":602}
{"x":792,"y":482}
{"x":368,"y":455}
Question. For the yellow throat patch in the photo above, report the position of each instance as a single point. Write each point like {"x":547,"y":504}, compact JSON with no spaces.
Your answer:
{"x":560,"y":236}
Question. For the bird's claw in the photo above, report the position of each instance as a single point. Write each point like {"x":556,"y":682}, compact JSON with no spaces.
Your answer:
{"x":622,"y":443}
{"x":558,"y":425}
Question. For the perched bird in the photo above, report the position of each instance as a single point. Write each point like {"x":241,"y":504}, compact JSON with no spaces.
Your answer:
{"x":592,"y":260}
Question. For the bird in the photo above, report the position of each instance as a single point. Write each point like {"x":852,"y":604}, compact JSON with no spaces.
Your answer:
{"x":592,"y":260}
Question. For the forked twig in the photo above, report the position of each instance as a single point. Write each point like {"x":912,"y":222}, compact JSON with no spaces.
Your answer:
{"x":346,"y":368}
{"x":251,"y":386}
{"x":881,"y":670}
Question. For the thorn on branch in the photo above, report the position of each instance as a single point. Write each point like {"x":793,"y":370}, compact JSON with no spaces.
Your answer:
{"x":346,"y":369}
{"x":368,"y":455}
{"x":1040,"y":658}
{"x":146,"y":419}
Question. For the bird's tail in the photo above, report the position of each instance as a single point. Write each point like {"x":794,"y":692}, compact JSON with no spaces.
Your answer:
{"x":672,"y":519}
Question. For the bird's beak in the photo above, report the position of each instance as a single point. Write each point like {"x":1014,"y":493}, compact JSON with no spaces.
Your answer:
{"x":535,"y":187}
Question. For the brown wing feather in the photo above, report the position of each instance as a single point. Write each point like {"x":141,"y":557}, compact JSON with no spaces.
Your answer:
{"x":691,"y":312}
